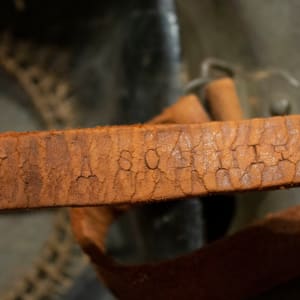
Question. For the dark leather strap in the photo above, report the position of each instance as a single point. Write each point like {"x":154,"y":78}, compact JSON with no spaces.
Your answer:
{"x":237,"y":267}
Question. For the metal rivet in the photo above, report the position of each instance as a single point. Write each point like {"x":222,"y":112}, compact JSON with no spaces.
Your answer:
{"x":280,"y":107}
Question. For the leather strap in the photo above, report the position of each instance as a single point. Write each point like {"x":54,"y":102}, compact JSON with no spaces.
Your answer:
{"x":223,"y":100}
{"x":237,"y":267}
{"x":130,"y":164}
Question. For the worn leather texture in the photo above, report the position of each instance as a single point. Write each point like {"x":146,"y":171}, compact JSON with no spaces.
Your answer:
{"x":131,"y":164}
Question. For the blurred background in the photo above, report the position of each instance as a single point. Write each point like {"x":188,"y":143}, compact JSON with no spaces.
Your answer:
{"x":70,"y":63}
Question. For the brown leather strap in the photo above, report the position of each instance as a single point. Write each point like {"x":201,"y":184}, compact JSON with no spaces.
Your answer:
{"x":128,"y":164}
{"x":236,"y":267}
{"x":187,"y":110}
{"x":223,"y":100}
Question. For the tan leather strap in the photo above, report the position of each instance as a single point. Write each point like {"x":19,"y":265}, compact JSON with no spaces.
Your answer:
{"x":223,"y":100}
{"x":187,"y":110}
{"x":129,"y":164}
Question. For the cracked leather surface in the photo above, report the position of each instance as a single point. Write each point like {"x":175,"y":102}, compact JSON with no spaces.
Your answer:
{"x":129,"y":164}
